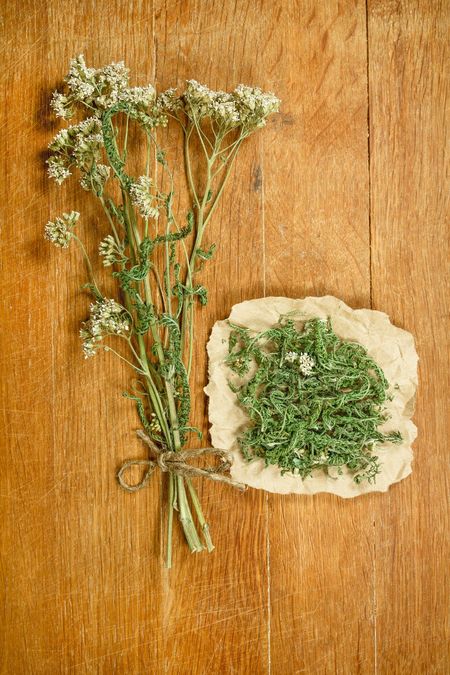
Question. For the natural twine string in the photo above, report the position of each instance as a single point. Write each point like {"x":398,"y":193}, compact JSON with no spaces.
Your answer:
{"x":177,"y":463}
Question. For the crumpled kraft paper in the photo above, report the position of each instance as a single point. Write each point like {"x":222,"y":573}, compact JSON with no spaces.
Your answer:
{"x":391,"y":347}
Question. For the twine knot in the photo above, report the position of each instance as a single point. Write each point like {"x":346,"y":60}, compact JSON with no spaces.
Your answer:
{"x":178,"y":463}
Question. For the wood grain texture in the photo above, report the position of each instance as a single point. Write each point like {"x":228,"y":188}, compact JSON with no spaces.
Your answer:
{"x":344,"y":192}
{"x":408,"y":87}
{"x":317,"y":242}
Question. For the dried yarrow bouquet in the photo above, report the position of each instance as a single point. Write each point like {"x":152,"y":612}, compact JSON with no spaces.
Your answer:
{"x":153,"y":254}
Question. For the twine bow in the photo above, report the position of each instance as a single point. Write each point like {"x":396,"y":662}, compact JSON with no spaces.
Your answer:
{"x":177,"y":463}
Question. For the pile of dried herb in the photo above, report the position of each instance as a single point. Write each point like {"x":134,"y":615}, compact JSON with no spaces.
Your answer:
{"x":315,"y":401}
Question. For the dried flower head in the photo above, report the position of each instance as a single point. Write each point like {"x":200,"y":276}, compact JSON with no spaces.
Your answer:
{"x":78,"y":145}
{"x":247,"y":107}
{"x":112,"y":82}
{"x":96,"y":89}
{"x":80,"y":79}
{"x":142,"y":198}
{"x":254,"y":105}
{"x":202,"y":102}
{"x":139,"y":96}
{"x":107,"y":318}
{"x":155,"y":426}
{"x":58,"y":169}
{"x":110,"y":250}
{"x":95,"y":178}
{"x":59,"y":231}
{"x":169,"y":101}
{"x":306,"y":364}
{"x":100,"y":89}
{"x":61,"y":105}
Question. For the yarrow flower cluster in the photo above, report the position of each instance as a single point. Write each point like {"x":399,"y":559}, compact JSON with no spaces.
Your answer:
{"x":306,"y":364}
{"x":139,"y":96}
{"x":61,"y":105}
{"x":107,"y":317}
{"x":203,"y":102}
{"x":78,"y":145}
{"x":80,"y":79}
{"x":255,"y":105}
{"x":169,"y":101}
{"x":97,"y":89}
{"x":60,"y":231}
{"x":143,"y":199}
{"x":58,"y":169}
{"x":248,"y":107}
{"x":305,"y":361}
{"x":110,"y":251}
{"x":95,"y":178}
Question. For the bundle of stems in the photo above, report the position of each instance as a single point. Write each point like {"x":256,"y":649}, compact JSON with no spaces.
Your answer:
{"x":153,"y":256}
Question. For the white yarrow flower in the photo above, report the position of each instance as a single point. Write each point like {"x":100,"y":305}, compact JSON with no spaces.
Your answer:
{"x":80,"y":145}
{"x":290,"y":357}
{"x":80,"y":79}
{"x":255,"y":105}
{"x":61,"y":140}
{"x":169,"y":100}
{"x":95,"y":178}
{"x":59,"y":231}
{"x":107,"y":318}
{"x":112,"y":82}
{"x":144,"y":96}
{"x":306,"y":364}
{"x":60,"y":104}
{"x":143,"y":199}
{"x":57,"y":169}
{"x":110,"y":251}
{"x":245,"y":106}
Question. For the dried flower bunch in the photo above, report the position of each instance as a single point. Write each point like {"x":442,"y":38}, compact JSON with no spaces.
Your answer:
{"x":152,"y":255}
{"x":314,"y":401}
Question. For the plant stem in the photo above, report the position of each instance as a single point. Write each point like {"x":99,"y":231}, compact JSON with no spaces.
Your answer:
{"x":202,"y":221}
{"x":201,"y":518}
{"x":107,"y":348}
{"x":110,"y":220}
{"x":187,"y":522}
{"x":187,"y":161}
{"x":186,"y":519}
{"x":88,"y":263}
{"x":162,"y":385}
{"x":170,"y":520}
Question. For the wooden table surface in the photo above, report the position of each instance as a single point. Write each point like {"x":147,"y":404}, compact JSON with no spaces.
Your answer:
{"x":343,"y":193}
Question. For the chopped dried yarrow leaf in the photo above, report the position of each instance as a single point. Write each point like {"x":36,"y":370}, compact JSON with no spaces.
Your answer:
{"x":314,"y":401}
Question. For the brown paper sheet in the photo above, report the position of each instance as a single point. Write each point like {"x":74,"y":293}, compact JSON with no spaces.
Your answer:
{"x":391,"y":347}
